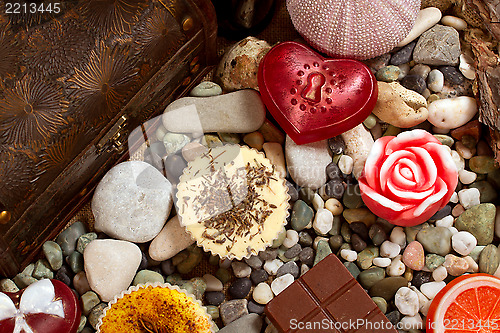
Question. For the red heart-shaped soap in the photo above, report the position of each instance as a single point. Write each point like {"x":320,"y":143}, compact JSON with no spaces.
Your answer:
{"x":314,"y":98}
{"x":44,"y":306}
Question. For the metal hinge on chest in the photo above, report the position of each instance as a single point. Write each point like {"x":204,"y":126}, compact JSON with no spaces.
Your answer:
{"x":116,"y":138}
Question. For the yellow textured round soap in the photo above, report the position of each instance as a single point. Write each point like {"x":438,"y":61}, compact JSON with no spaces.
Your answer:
{"x":232,"y":201}
{"x":155,"y":308}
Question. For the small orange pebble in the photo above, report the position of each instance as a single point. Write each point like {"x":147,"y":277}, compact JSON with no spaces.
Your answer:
{"x":155,"y":308}
{"x":468,"y":304}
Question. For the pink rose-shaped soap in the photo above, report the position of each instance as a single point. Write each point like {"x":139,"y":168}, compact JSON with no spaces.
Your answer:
{"x":408,"y":178}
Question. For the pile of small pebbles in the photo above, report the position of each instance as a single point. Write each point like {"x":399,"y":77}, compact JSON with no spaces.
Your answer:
{"x":401,"y":268}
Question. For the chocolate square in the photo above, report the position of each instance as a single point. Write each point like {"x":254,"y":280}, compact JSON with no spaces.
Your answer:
{"x":326,"y":299}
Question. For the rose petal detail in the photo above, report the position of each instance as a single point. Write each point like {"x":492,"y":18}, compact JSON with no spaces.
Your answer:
{"x":407,"y":195}
{"x":413,"y":138}
{"x":428,"y":162}
{"x":400,"y":180}
{"x":390,"y":163}
{"x":372,"y":161}
{"x":386,"y":202}
{"x":442,"y":190}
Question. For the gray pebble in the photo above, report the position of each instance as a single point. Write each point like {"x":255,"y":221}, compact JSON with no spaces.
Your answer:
{"x":232,"y":310}
{"x":174,"y":166}
{"x":394,"y":317}
{"x":83,"y":322}
{"x":251,"y":323}
{"x":84,"y":240}
{"x":254,"y":261}
{"x":488,"y":259}
{"x":223,"y":274}
{"x":388,"y":73}
{"x":214,"y":297}
{"x":445,"y":211}
{"x":352,"y":268}
{"x":352,"y":196}
{"x":414,"y":82}
{"x":145,"y":276}
{"x":199,"y":285}
{"x":289,"y":268}
{"x":420,"y":70}
{"x":306,"y":195}
{"x":322,"y":250}
{"x":337,"y":223}
{"x":292,"y":191}
{"x":404,"y":55}
{"x":64,"y":274}
{"x":302,"y":215}
{"x":306,"y":256}
{"x":8,"y":286}
{"x":334,"y":188}
{"x":293,"y":251}
{"x":213,"y":311}
{"x":75,"y":261}
{"x":435,"y":240}
{"x":23,"y":280}
{"x":333,"y":171}
{"x":233,"y":138}
{"x":305,"y":239}
{"x":381,"y":303}
{"x":487,"y":192}
{"x":42,"y":270}
{"x":258,"y":276}
{"x":254,"y":307}
{"x":357,"y":243}
{"x":336,"y":242}
{"x":346,"y":232}
{"x":387,"y":287}
{"x":53,"y":253}
{"x":369,"y":277}
{"x":452,"y":74}
{"x":433,"y":261}
{"x":96,"y":313}
{"x":420,"y":277}
{"x":68,"y":238}
{"x":377,"y":234}
{"x":268,"y":254}
{"x":206,"y":89}
{"x":89,"y":301}
{"x":240,"y":288}
{"x":365,"y":257}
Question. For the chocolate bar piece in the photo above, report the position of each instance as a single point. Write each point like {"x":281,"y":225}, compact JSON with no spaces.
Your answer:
{"x":327,"y":299}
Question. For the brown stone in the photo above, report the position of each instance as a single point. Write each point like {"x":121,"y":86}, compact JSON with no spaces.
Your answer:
{"x":472,"y":128}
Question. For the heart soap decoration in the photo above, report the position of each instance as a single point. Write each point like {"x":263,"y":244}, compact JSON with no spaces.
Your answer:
{"x":44,"y":306}
{"x":314,"y":98}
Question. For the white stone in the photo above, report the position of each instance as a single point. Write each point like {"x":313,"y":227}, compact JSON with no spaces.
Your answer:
{"x":458,"y":160}
{"x":241,"y":270}
{"x":323,"y":221}
{"x":307,"y":163}
{"x":453,"y":230}
{"x":406,"y":300}
{"x":172,"y":239}
{"x":446,"y":221}
{"x":451,"y":113}
{"x":359,"y":143}
{"x":454,"y":197}
{"x":213,"y":283}
{"x":292,"y":238}
{"x":411,"y":323}
{"x":389,"y":249}
{"x":346,"y":164}
{"x":335,"y":206}
{"x":465,"y":152}
{"x":466,"y":66}
{"x":132,"y":202}
{"x":455,"y":22}
{"x":473,"y":266}
{"x":397,"y":267}
{"x":439,"y":274}
{"x":192,"y":150}
{"x":463,"y":242}
{"x":469,"y":197}
{"x":382,"y":262}
{"x":238,"y":112}
{"x":426,"y":19}
{"x":422,"y":299}
{"x":110,"y":266}
{"x":318,"y":202}
{"x":272,"y":266}
{"x":467,"y":177}
{"x":435,"y":80}
{"x":349,"y":255}
{"x":262,"y":293}
{"x":274,"y":152}
{"x":398,"y":236}
{"x":430,"y":289}
{"x":281,"y":283}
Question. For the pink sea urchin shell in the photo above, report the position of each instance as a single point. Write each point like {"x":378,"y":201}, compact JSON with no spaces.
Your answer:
{"x":359,"y":29}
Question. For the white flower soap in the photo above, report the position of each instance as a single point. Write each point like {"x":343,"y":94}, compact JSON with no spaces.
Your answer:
{"x":232,"y":201}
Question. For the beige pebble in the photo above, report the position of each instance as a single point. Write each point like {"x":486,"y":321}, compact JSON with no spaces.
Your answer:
{"x":254,"y":140}
{"x":172,"y":239}
{"x":464,"y":151}
{"x":473,"y":266}
{"x":376,"y":131}
{"x":466,"y":66}
{"x":359,"y":143}
{"x":440,"y":273}
{"x":455,"y":22}
{"x":455,"y":266}
{"x":192,"y":150}
{"x":410,"y":97}
{"x":392,"y":109}
{"x":274,"y":152}
{"x":457,"y":210}
{"x":334,"y":206}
